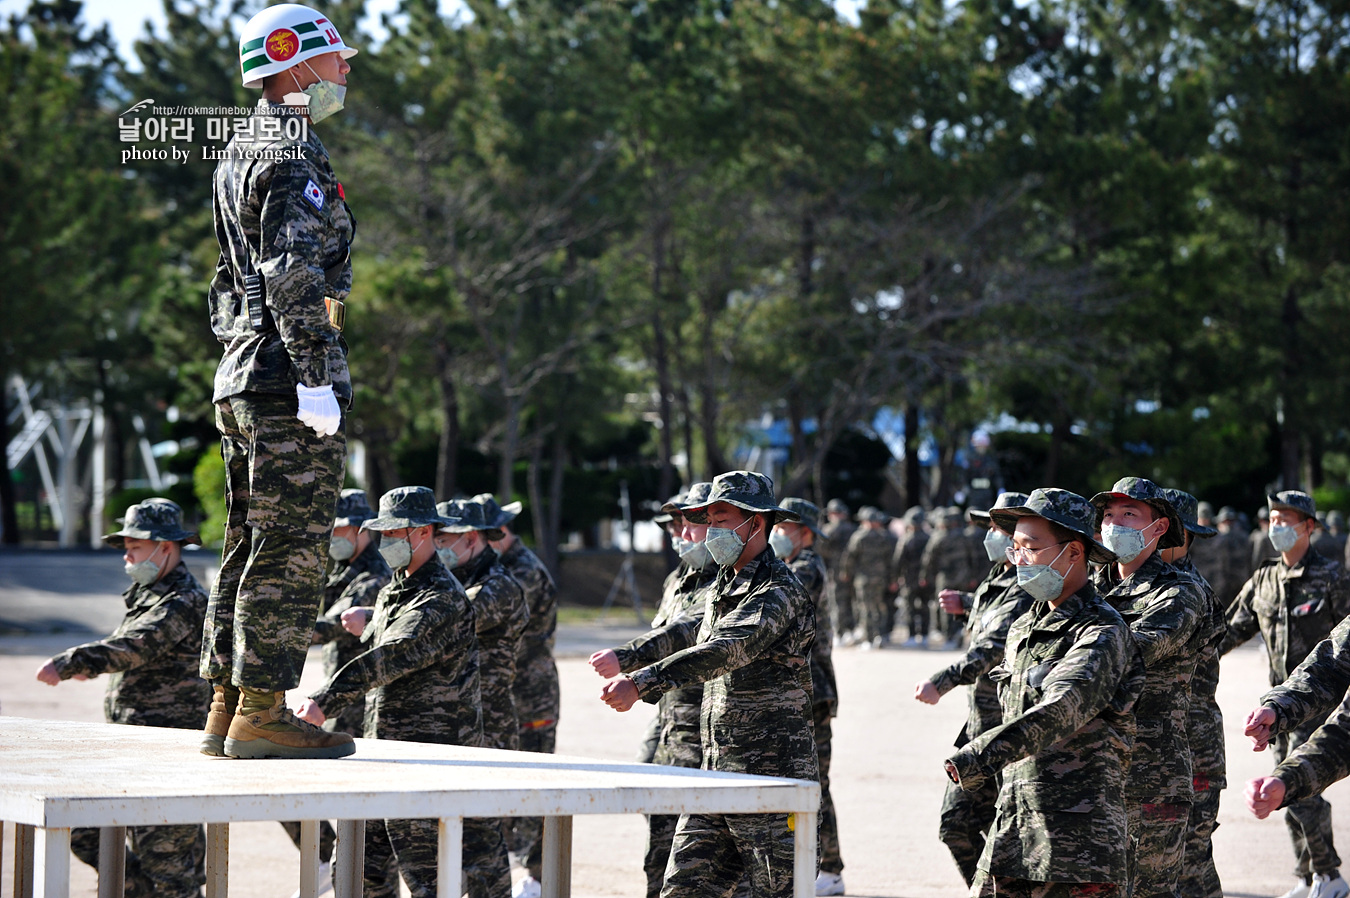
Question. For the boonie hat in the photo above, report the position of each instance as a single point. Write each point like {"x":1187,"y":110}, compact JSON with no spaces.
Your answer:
{"x":748,"y":490}
{"x":405,"y":506}
{"x":157,"y":519}
{"x":1144,"y":490}
{"x":1069,"y":510}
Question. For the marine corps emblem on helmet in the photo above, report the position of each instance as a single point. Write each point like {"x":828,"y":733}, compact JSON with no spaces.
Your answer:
{"x":282,"y":44}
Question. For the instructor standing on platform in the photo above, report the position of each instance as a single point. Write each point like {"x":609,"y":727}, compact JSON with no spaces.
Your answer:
{"x":281,"y":388}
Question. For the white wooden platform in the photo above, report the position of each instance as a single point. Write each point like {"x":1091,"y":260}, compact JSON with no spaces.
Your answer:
{"x":57,"y":775}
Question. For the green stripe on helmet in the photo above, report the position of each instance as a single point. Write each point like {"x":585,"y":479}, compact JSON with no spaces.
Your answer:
{"x":260,"y":59}
{"x":306,"y":27}
{"x":255,"y":44}
{"x":314,"y":43}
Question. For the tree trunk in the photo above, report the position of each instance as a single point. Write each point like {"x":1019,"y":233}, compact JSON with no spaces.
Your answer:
{"x":538,"y":510}
{"x":447,"y":458}
{"x":9,"y":518}
{"x":510,"y":439}
{"x":913,"y":473}
{"x":549,"y":549}
{"x":661,"y":350}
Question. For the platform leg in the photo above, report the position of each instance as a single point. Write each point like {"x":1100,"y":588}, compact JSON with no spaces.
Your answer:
{"x":217,"y":860}
{"x":309,"y":858}
{"x":804,"y":855}
{"x":349,"y":859}
{"x":557,"y":860}
{"x":52,"y":871}
{"x":112,"y":861}
{"x":23,"y":860}
{"x":449,"y":870}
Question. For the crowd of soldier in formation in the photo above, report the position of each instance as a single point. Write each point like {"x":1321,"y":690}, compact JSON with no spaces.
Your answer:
{"x":1091,"y":761}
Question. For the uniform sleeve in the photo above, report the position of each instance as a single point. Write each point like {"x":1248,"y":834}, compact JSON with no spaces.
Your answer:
{"x":1316,"y":686}
{"x":737,"y":639}
{"x":986,"y":650}
{"x":1321,"y":761}
{"x":1242,"y":622}
{"x":496,"y":602}
{"x":1167,"y":626}
{"x":847,"y":558}
{"x":360,"y":593}
{"x":662,"y":642}
{"x":418,"y":638}
{"x":140,"y":640}
{"x":1340,"y":593}
{"x":1079,"y":687}
{"x":292,"y":265}
{"x":928,"y":562}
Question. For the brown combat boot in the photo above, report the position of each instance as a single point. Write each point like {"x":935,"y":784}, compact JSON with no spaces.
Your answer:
{"x":265,"y":728}
{"x":224,"y":701}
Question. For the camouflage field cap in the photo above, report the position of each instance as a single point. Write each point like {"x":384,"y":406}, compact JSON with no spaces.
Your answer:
{"x":914,"y":515}
{"x":748,"y":490}
{"x":353,"y":509}
{"x":1143,"y":490}
{"x":1188,"y":510}
{"x":498,"y":514}
{"x":677,"y":503}
{"x":1004,"y":500}
{"x":1069,"y":510}
{"x":808,"y":514}
{"x":669,"y":509}
{"x":1263,"y":514}
{"x":1293,"y":500}
{"x":872,"y":513}
{"x":463,"y":515}
{"x":836,"y":506}
{"x":157,"y":519}
{"x":1227,"y":513}
{"x":405,"y":506}
{"x":1204,"y":510}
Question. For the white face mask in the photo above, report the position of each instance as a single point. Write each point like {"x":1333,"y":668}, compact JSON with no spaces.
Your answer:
{"x":397,"y":553}
{"x":782,"y":545}
{"x":695,"y":554}
{"x":1126,"y":542}
{"x":1041,"y":581}
{"x":340,"y":548}
{"x":448,"y":556}
{"x":996,"y":544}
{"x":1283,"y":537}
{"x":143,"y":573}
{"x":322,"y":98}
{"x":725,"y":544}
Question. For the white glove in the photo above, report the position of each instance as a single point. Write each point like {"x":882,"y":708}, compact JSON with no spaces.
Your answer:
{"x":319,"y":409}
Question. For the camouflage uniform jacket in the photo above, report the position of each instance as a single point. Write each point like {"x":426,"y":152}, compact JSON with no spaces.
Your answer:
{"x":1316,"y":686}
{"x":288,"y":219}
{"x":1260,"y":550}
{"x":677,"y":740}
{"x":1223,"y":569}
{"x":501,"y":614}
{"x":868,"y":556}
{"x":1294,"y":608}
{"x":536,"y":688}
{"x":1168,"y":616}
{"x":1068,"y":684}
{"x":907,"y":564}
{"x":1204,"y":731}
{"x":831,"y":548}
{"x":752,"y":653}
{"x":810,"y":570}
{"x":950,"y":561}
{"x":1322,"y":760}
{"x":421,"y":665}
{"x":355,"y":583}
{"x":152,"y":655}
{"x":998,"y":602}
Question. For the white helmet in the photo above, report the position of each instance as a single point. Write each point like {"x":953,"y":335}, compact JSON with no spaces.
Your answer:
{"x":282,"y":36}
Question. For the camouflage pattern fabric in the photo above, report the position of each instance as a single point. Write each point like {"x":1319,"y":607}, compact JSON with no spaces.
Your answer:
{"x":1199,"y":876}
{"x":502,"y":614}
{"x":289,"y":220}
{"x":161,"y":861}
{"x":1223,"y":561}
{"x":281,"y":485}
{"x":1068,"y":685}
{"x":835,"y":537}
{"x":1261,"y":549}
{"x":1316,"y":686}
{"x":355,"y":583}
{"x":1307,"y":815}
{"x":810,"y":572}
{"x":951,"y":560}
{"x":421,"y":670}
{"x":152,"y":656}
{"x":536,"y":687}
{"x":1009,"y":887}
{"x":907,"y":564}
{"x":867,"y":565}
{"x":964,"y":822}
{"x":752,"y":653}
{"x":1310,"y":765}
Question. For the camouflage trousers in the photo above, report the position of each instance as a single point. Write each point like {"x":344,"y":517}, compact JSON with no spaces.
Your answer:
{"x":1309,"y":820}
{"x":410,"y":848}
{"x":1199,"y":878}
{"x":1157,"y":847}
{"x":869,"y":605}
{"x":161,"y":861}
{"x":987,"y":885}
{"x":281,"y":485}
{"x":501,"y":725}
{"x":830,"y":861}
{"x":964,"y":823}
{"x":919,"y":614}
{"x":525,"y":835}
{"x":839,"y":599}
{"x":712,"y":853}
{"x":327,"y":837}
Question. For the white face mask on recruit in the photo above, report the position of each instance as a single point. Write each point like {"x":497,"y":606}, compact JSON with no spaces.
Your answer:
{"x":321,"y":99}
{"x":1041,"y":581}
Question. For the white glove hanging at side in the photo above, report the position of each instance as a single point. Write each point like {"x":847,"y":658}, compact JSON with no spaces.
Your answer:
{"x":319,"y":409}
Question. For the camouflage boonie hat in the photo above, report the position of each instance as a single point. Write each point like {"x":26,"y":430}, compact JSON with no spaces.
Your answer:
{"x":1188,"y":510}
{"x":405,"y":506}
{"x":1227,"y":513}
{"x":464,"y":515}
{"x":1069,"y":510}
{"x":1004,"y":500}
{"x":748,"y":490}
{"x":673,"y":503}
{"x":872,"y":513}
{"x":1142,"y":490}
{"x":353,"y":509}
{"x":1204,"y":510}
{"x":913,"y":515}
{"x":497,"y":514}
{"x":676,"y":504}
{"x":1294,"y":500}
{"x":157,"y":519}
{"x":836,"y":506}
{"x":807,"y":513}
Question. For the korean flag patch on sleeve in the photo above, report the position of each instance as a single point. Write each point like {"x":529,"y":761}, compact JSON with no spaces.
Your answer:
{"x":314,"y":194}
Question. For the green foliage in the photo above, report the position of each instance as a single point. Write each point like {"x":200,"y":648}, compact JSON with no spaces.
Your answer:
{"x":208,"y":484}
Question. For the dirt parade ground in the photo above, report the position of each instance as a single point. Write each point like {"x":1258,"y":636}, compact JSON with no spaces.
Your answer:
{"x":887,"y":774}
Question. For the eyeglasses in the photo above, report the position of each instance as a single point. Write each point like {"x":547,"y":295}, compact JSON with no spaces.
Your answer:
{"x":1022,"y":555}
